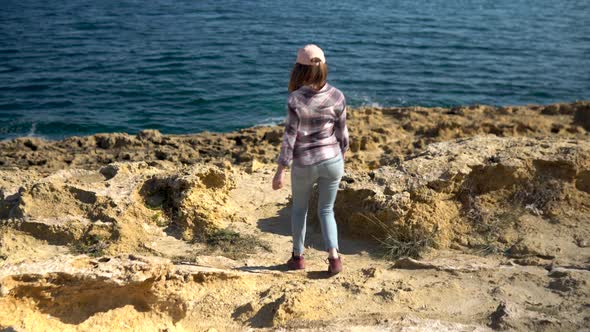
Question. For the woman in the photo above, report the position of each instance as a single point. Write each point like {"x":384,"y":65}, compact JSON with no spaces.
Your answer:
{"x":315,"y":141}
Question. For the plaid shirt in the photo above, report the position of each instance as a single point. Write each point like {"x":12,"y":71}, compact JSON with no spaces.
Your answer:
{"x":315,"y":128}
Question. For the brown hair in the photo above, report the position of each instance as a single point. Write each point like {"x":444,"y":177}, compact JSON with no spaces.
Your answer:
{"x":314,"y":75}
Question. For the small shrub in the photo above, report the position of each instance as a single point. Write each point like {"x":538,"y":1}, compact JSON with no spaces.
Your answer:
{"x":487,"y":249}
{"x":92,"y":245}
{"x":232,"y":244}
{"x":159,"y":219}
{"x":396,"y":244}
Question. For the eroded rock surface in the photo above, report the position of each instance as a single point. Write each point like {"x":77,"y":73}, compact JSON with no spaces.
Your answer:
{"x":74,"y":289}
{"x":109,"y":206}
{"x":379,"y":136}
{"x":519,"y":194}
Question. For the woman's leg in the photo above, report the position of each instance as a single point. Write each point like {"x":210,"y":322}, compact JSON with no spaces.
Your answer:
{"x":328,"y":183}
{"x":301,"y":185}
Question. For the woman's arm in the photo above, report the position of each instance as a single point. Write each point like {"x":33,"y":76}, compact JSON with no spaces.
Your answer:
{"x":287,"y":146}
{"x":341,"y":131}
{"x":279,"y":178}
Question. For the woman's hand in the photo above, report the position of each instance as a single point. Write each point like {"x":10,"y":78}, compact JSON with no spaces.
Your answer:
{"x":279,"y":178}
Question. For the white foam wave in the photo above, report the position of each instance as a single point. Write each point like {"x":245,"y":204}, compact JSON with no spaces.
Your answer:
{"x":32,"y":130}
{"x":271,"y":121}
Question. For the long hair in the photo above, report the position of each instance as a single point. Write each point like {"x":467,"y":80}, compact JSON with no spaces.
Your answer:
{"x":313,"y":75}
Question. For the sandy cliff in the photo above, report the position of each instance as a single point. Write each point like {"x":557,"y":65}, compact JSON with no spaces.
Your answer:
{"x":482,"y":215}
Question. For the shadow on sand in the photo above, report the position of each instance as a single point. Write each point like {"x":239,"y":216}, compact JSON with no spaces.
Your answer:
{"x":281,"y":225}
{"x":323,"y":274}
{"x":262,"y":269}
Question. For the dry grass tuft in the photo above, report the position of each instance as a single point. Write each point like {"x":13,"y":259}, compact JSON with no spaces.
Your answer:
{"x":396,"y":244}
{"x":233,"y":245}
{"x":92,"y":245}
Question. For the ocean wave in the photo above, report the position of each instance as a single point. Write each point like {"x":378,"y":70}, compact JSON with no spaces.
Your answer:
{"x":270,"y":121}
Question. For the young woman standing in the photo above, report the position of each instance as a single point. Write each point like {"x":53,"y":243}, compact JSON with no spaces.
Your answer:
{"x":315,"y":141}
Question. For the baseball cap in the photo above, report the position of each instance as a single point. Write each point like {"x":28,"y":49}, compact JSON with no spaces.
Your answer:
{"x":308,"y":53}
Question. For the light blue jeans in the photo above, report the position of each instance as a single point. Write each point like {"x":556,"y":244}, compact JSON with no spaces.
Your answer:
{"x":327,"y":174}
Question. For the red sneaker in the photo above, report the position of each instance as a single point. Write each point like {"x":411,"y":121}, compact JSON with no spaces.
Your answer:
{"x":334,"y":265}
{"x":296,"y":262}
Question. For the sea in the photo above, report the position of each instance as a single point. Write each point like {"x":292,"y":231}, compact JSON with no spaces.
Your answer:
{"x":187,"y":66}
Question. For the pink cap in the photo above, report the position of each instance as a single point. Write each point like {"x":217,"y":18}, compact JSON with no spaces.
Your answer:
{"x":308,"y":53}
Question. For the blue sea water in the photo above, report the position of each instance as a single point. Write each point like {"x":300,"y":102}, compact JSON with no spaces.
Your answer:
{"x":180,"y":66}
